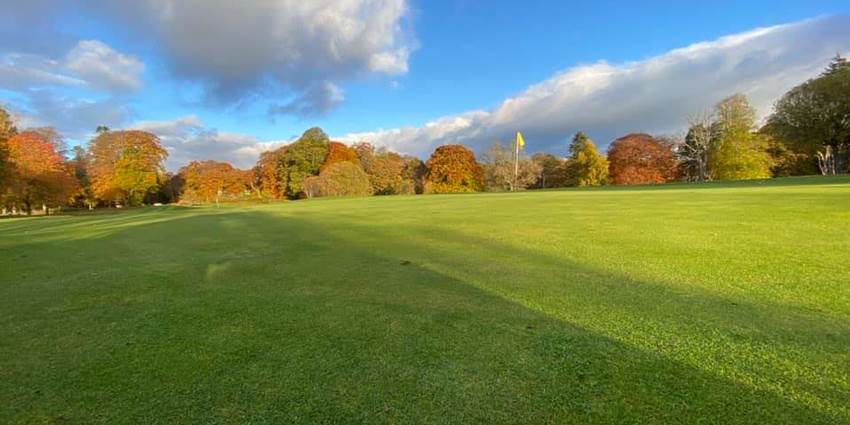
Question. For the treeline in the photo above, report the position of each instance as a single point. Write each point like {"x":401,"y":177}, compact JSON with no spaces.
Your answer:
{"x":807,"y":133}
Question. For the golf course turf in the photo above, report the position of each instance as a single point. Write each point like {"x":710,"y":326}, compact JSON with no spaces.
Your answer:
{"x":713,"y":303}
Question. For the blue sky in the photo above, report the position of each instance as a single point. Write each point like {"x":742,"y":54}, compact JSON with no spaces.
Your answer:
{"x":225,"y":80}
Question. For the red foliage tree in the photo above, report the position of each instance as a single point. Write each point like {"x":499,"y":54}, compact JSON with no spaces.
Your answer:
{"x":339,"y":152}
{"x":40,"y":174}
{"x":640,"y":159}
{"x":453,"y":169}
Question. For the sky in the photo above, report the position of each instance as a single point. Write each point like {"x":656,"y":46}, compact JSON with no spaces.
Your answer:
{"x":226,"y":80}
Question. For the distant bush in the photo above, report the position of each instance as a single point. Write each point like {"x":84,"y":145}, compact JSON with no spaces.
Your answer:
{"x":339,"y":179}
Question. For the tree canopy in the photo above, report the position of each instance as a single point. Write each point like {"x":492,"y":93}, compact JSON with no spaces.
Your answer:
{"x":736,"y":152}
{"x":816,"y":115}
{"x":585,"y":166}
{"x":206,"y":181}
{"x":126,"y":165}
{"x":40,"y":174}
{"x":639,"y":158}
{"x":453,"y":169}
{"x":300,"y":160}
{"x":342,"y":178}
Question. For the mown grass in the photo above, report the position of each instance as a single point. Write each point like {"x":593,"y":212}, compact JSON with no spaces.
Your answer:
{"x":725,"y":303}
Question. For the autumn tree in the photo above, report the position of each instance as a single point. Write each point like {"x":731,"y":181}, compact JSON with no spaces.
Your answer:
{"x":40,"y":174}
{"x":79,"y":165}
{"x":453,"y":169}
{"x":300,"y":160}
{"x":208,"y":181}
{"x":413,"y":175}
{"x":500,"y":165}
{"x":342,"y":178}
{"x":365,"y":153}
{"x":585,"y":166}
{"x":265,"y":181}
{"x":339,"y":152}
{"x":639,"y":158}
{"x":551,"y":171}
{"x":126,"y":165}
{"x":813,"y":119}
{"x":7,"y":130}
{"x":737,"y":152}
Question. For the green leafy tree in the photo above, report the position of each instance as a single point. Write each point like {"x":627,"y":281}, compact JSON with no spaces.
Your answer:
{"x":814,"y":119}
{"x":737,"y":153}
{"x":453,"y":169}
{"x":300,"y":160}
{"x":585,"y":166}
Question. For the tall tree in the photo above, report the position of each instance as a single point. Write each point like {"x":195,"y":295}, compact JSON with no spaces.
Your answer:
{"x":79,"y":164}
{"x":640,"y":159}
{"x":211,"y":181}
{"x":41,"y":175}
{"x":737,"y":152}
{"x":585,"y":166}
{"x":265,"y":180}
{"x":453,"y":169}
{"x":503,"y":171}
{"x":300,"y":160}
{"x":126,"y":165}
{"x":693,"y":153}
{"x":814,"y":119}
{"x":7,"y":130}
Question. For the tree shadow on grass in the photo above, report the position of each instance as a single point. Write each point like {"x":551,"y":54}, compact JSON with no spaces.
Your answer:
{"x":254,"y":317}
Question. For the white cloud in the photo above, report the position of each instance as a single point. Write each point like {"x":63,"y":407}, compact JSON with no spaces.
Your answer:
{"x":104,"y":68}
{"x":98,"y":75}
{"x":187,"y":139}
{"x":287,"y":48}
{"x":654,"y":95}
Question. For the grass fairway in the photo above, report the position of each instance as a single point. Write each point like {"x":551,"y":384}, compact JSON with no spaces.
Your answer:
{"x":676,"y":304}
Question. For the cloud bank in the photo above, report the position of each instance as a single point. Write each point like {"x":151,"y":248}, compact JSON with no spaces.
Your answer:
{"x":188,"y":139}
{"x":295,"y":50}
{"x":654,"y":95}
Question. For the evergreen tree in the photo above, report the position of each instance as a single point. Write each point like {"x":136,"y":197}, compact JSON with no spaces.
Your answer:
{"x":585,"y":166}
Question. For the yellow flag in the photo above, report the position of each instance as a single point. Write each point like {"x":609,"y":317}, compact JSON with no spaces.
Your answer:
{"x":519,"y":141}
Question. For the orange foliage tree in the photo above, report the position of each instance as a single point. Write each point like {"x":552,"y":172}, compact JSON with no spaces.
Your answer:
{"x":339,"y":152}
{"x":39,"y":173}
{"x":205,"y":181}
{"x":126,"y":165}
{"x":640,"y":159}
{"x":265,"y":179}
{"x":453,"y":169}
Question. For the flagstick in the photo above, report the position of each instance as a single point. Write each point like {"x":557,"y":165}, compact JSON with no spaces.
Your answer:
{"x":516,"y":164}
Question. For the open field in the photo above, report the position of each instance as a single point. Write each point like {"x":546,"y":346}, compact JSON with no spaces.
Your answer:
{"x":675,"y":304}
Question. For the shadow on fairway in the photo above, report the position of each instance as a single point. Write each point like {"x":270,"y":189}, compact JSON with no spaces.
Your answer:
{"x":256,"y":317}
